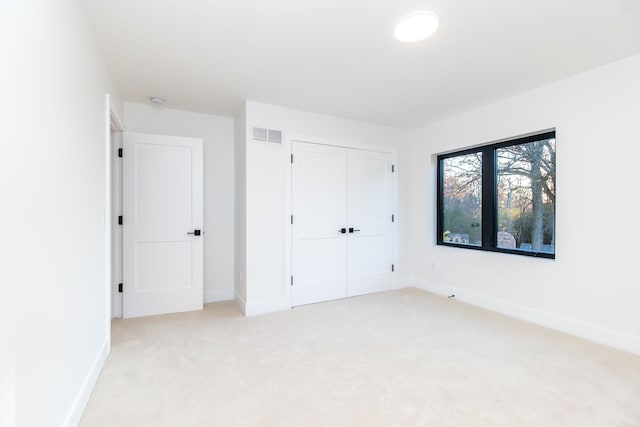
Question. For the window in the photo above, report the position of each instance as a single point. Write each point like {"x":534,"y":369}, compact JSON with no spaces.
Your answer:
{"x":500,"y":197}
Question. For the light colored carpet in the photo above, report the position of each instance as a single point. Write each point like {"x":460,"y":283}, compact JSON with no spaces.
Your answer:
{"x":391,"y":359}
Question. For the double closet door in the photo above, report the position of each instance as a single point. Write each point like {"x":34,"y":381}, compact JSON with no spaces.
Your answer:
{"x":342,"y":224}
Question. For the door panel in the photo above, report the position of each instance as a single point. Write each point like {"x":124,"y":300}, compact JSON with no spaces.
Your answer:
{"x":162,"y":202}
{"x":369,"y":210}
{"x":319,"y":211}
{"x":163,"y":266}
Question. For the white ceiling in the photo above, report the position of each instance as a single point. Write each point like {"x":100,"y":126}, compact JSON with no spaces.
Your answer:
{"x":339,"y":57}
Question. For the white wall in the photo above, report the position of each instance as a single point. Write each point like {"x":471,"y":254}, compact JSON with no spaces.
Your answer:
{"x":591,"y":288}
{"x":265,"y":191}
{"x":218,"y":152}
{"x":55,"y":208}
{"x":240,"y":143}
{"x":13,"y":108}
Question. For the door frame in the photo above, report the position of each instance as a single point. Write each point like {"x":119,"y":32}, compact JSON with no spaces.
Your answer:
{"x":114,"y":191}
{"x":288,"y":243}
{"x":112,"y":126}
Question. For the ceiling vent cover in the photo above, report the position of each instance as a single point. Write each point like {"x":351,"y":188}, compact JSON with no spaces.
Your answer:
{"x":267,"y":135}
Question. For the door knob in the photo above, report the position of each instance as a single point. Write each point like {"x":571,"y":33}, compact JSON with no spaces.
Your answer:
{"x":351,"y":229}
{"x":195,"y":232}
{"x":342,"y":230}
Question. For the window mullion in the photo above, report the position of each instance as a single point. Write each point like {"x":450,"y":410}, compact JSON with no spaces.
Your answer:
{"x":488,"y":198}
{"x":440,"y":203}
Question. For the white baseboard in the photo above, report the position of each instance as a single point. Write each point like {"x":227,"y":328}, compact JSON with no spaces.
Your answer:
{"x":264,"y":307}
{"x":404,"y":282}
{"x":218,"y":295}
{"x":260,"y":307}
{"x":240,"y":302}
{"x":80,"y":402}
{"x":588,"y":331}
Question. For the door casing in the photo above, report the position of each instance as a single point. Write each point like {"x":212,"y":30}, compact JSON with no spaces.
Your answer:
{"x":116,"y":234}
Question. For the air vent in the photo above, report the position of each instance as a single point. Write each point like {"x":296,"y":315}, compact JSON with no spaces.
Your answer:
{"x":260,"y":134}
{"x":275,"y":136}
{"x":267,"y":135}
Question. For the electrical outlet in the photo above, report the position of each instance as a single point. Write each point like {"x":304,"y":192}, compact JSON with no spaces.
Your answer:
{"x":433,"y":266}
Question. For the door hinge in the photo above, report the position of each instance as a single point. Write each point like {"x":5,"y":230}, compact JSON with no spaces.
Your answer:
{"x":291,"y":219}
{"x":393,"y":268}
{"x":393,"y":168}
{"x":291,"y":280}
{"x":120,"y":287}
{"x":292,"y":158}
{"x":119,"y":152}
{"x":120,"y":220}
{"x":393,"y":218}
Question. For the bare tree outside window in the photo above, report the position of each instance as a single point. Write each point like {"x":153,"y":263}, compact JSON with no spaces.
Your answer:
{"x":526,"y":194}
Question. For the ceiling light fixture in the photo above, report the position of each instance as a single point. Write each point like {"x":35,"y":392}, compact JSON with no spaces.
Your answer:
{"x":157,"y":100}
{"x":417,"y":26}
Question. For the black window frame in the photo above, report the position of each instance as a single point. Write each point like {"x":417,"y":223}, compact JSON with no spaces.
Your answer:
{"x":489,"y":198}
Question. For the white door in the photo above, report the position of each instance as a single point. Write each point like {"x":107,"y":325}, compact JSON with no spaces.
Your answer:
{"x":162,"y":224}
{"x":342,"y":229}
{"x":370,"y":210}
{"x":319,"y":237}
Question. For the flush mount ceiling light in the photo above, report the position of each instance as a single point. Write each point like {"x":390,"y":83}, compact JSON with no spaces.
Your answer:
{"x":417,"y":26}
{"x":157,"y":100}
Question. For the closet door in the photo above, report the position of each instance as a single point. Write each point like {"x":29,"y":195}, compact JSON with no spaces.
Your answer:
{"x":369,"y":207}
{"x":319,"y":208}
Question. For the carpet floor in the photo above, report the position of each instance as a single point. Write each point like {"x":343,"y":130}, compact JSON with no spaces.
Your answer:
{"x":401,"y":358}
